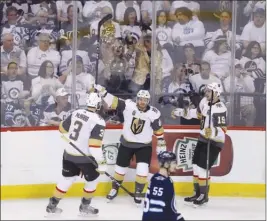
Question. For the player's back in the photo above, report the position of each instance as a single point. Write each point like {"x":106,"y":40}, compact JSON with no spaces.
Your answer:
{"x":160,"y":200}
{"x":81,"y":125}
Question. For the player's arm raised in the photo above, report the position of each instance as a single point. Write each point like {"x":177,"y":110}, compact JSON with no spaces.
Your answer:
{"x":158,"y":131}
{"x":112,"y":101}
{"x":188,"y":113}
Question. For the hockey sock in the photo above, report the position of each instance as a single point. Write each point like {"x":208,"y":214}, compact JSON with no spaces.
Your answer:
{"x":119,"y":178}
{"x":89,"y":188}
{"x":140,"y":183}
{"x":202,"y":186}
{"x":63,"y":186}
{"x":196,"y":185}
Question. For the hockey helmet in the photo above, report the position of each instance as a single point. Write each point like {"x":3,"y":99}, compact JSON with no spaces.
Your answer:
{"x":166,"y":157}
{"x":215,"y":87}
{"x":143,"y":94}
{"x":93,"y":100}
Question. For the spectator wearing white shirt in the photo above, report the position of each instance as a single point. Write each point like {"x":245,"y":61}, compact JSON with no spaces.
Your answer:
{"x":13,"y":25}
{"x":225,"y":30}
{"x":122,"y":7}
{"x":255,"y":30}
{"x":192,"y":5}
{"x":205,"y":77}
{"x":58,"y":111}
{"x":130,"y":24}
{"x":254,"y":64}
{"x":187,"y":31}
{"x":92,"y":10}
{"x":9,"y":53}
{"x":146,"y":9}
{"x":18,"y":4}
{"x":179,"y":81}
{"x":219,"y":58}
{"x":109,"y":30}
{"x":37,"y":55}
{"x":66,"y":55}
{"x":45,"y":85}
{"x":163,"y":32}
{"x":252,"y":6}
{"x":84,"y":81}
{"x":62,"y":7}
{"x":190,"y":61}
{"x":244,"y":83}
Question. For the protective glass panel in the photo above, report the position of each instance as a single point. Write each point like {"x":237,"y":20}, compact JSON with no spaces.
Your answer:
{"x":201,"y":42}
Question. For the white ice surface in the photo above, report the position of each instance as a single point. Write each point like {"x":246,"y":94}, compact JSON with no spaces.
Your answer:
{"x":123,"y":208}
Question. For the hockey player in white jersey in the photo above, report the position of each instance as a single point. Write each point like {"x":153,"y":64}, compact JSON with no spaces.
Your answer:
{"x":141,"y":122}
{"x":85,"y":128}
{"x":216,"y":135}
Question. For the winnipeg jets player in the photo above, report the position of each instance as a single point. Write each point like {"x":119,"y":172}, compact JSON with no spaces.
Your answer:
{"x":141,"y":122}
{"x":215,"y":133}
{"x":160,"y":202}
{"x":85,"y":128}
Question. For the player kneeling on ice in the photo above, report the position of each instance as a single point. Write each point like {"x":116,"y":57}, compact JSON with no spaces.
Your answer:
{"x":160,"y":204}
{"x":85,"y":128}
{"x":212,"y":114}
{"x":141,"y":122}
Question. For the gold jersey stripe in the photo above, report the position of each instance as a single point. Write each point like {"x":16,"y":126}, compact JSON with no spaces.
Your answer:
{"x":95,"y":143}
{"x":115,"y":102}
{"x":61,"y":128}
{"x":159,"y":132}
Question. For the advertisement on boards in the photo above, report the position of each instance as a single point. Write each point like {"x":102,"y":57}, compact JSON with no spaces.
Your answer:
{"x":183,"y":144}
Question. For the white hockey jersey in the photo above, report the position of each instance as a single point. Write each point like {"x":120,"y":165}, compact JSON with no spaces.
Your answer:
{"x":139,"y":126}
{"x":218,"y":121}
{"x":86,"y":130}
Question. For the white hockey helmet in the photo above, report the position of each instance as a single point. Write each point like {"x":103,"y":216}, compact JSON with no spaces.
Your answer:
{"x":93,"y":100}
{"x":215,"y":87}
{"x":143,"y":94}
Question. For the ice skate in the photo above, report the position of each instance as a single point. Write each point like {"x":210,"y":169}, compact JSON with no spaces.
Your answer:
{"x":138,"y":199}
{"x":113,"y":192}
{"x":200,"y":201}
{"x":85,"y":208}
{"x":52,"y":208}
{"x":189,"y":200}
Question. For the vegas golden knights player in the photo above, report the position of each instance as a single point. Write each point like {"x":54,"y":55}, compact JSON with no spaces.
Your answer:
{"x":216,"y":135}
{"x":141,"y":122}
{"x":85,"y":128}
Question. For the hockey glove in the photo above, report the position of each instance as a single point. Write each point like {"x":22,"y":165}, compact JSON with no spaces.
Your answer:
{"x":161,"y":146}
{"x":211,"y":132}
{"x":97,"y":153}
{"x":100,"y":90}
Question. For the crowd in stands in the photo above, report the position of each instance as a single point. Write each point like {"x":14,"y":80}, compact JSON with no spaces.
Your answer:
{"x":194,"y":47}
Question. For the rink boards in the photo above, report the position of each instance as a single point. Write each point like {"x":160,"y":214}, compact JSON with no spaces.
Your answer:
{"x":31,"y":163}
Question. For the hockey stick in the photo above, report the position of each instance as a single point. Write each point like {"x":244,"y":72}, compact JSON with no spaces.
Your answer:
{"x":208,"y":150}
{"x":107,"y":174}
{"x":101,"y":22}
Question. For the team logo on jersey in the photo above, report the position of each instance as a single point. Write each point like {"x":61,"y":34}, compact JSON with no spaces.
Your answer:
{"x":184,"y":149}
{"x":137,"y":125}
{"x":110,"y":152}
{"x":13,"y":93}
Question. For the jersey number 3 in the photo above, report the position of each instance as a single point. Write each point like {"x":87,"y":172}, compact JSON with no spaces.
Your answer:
{"x":76,"y":132}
